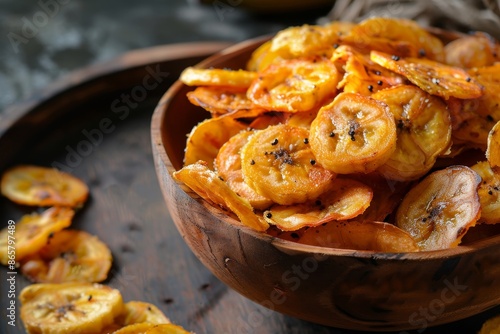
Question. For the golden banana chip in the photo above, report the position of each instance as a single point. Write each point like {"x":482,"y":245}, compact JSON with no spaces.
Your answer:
{"x":346,"y":199}
{"x":69,"y":307}
{"x":423,"y":131}
{"x":438,"y":211}
{"x":43,"y":186}
{"x":396,"y":36}
{"x":241,"y":79}
{"x":208,"y":185}
{"x":470,"y":51}
{"x":224,"y":102}
{"x":207,"y":138}
{"x":431,"y":76}
{"x":353,"y":134}
{"x":355,"y":235}
{"x":140,"y":312}
{"x":294,"y":85}
{"x":278,"y":163}
{"x":489,"y":193}
{"x":69,"y":256}
{"x":228,"y":165}
{"x":33,"y":232}
{"x":493,"y":151}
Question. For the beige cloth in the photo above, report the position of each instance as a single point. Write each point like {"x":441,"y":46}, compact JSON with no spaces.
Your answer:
{"x":462,"y":15}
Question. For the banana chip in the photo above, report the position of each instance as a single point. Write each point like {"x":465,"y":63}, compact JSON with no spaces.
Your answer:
{"x":294,"y":85}
{"x":368,"y":235}
{"x":208,"y":185}
{"x":423,"y":131}
{"x":431,"y":76}
{"x":346,"y":199}
{"x":207,"y":138}
{"x":241,"y":79}
{"x":43,"y":186}
{"x":278,"y":163}
{"x":440,"y":209}
{"x":493,"y":151}
{"x":353,"y":134}
{"x":489,"y":193}
{"x":69,"y":256}
{"x":69,"y":307}
{"x":33,"y":232}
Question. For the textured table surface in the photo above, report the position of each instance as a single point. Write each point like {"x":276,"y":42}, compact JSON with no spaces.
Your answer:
{"x":43,"y":41}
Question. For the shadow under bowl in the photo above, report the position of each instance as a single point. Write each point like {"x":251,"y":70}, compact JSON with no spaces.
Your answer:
{"x":359,"y":290}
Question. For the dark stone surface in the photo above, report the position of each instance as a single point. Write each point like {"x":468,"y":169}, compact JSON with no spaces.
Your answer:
{"x":44,"y":40}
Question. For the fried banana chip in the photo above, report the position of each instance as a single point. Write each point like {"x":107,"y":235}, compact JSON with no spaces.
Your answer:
{"x":361,"y":74}
{"x":489,"y":193}
{"x":140,"y":312}
{"x":167,"y":329}
{"x":439,"y":210}
{"x":493,"y":151}
{"x":278,"y":163}
{"x":304,"y":41}
{"x":353,"y":134}
{"x":433,"y":77}
{"x":423,"y":131}
{"x":207,"y":138}
{"x":345,"y":200}
{"x":228,"y":166}
{"x":209,"y":186}
{"x":224,"y":102}
{"x":368,"y":235}
{"x":140,"y":328}
{"x":69,"y":307}
{"x":33,"y":231}
{"x":241,"y":79}
{"x":43,"y":186}
{"x":69,"y":256}
{"x":491,"y":326}
{"x":470,"y":51}
{"x":294,"y":85}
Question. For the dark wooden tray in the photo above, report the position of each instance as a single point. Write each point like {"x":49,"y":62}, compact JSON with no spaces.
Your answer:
{"x":95,"y":124}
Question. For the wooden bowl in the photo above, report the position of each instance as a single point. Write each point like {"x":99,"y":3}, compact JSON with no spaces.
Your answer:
{"x":361,"y":290}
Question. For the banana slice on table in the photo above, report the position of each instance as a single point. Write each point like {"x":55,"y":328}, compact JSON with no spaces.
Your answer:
{"x":69,"y":256}
{"x":241,"y":79}
{"x":228,"y":166}
{"x":139,"y":328}
{"x":439,"y":210}
{"x":367,"y":235}
{"x":43,"y":186}
{"x":489,"y":193}
{"x":493,"y":151}
{"x":432,"y":77}
{"x":346,"y":199}
{"x":208,"y":185}
{"x":294,"y":85}
{"x":206,"y":138}
{"x":167,"y":329}
{"x":69,"y":307}
{"x":33,"y":231}
{"x":423,"y":131}
{"x":278,"y":163}
{"x":139,"y":312}
{"x":353,"y":134}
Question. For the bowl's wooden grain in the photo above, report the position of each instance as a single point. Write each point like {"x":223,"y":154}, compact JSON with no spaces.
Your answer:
{"x":359,"y":290}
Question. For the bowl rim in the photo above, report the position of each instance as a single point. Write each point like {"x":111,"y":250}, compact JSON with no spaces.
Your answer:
{"x":158,"y":128}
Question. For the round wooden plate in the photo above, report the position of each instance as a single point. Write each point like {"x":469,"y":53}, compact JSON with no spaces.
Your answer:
{"x":95,"y":124}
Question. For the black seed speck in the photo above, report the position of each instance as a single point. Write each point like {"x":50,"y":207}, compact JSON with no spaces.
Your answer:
{"x":396,"y":58}
{"x":312,"y":161}
{"x":379,"y":82}
{"x":275,"y":142}
{"x":421,"y":53}
{"x":252,"y":162}
{"x":269,"y":215}
{"x":370,"y":88}
{"x":306,"y":141}
{"x":294,"y":235}
{"x":332,"y":134}
{"x":468,"y":79}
